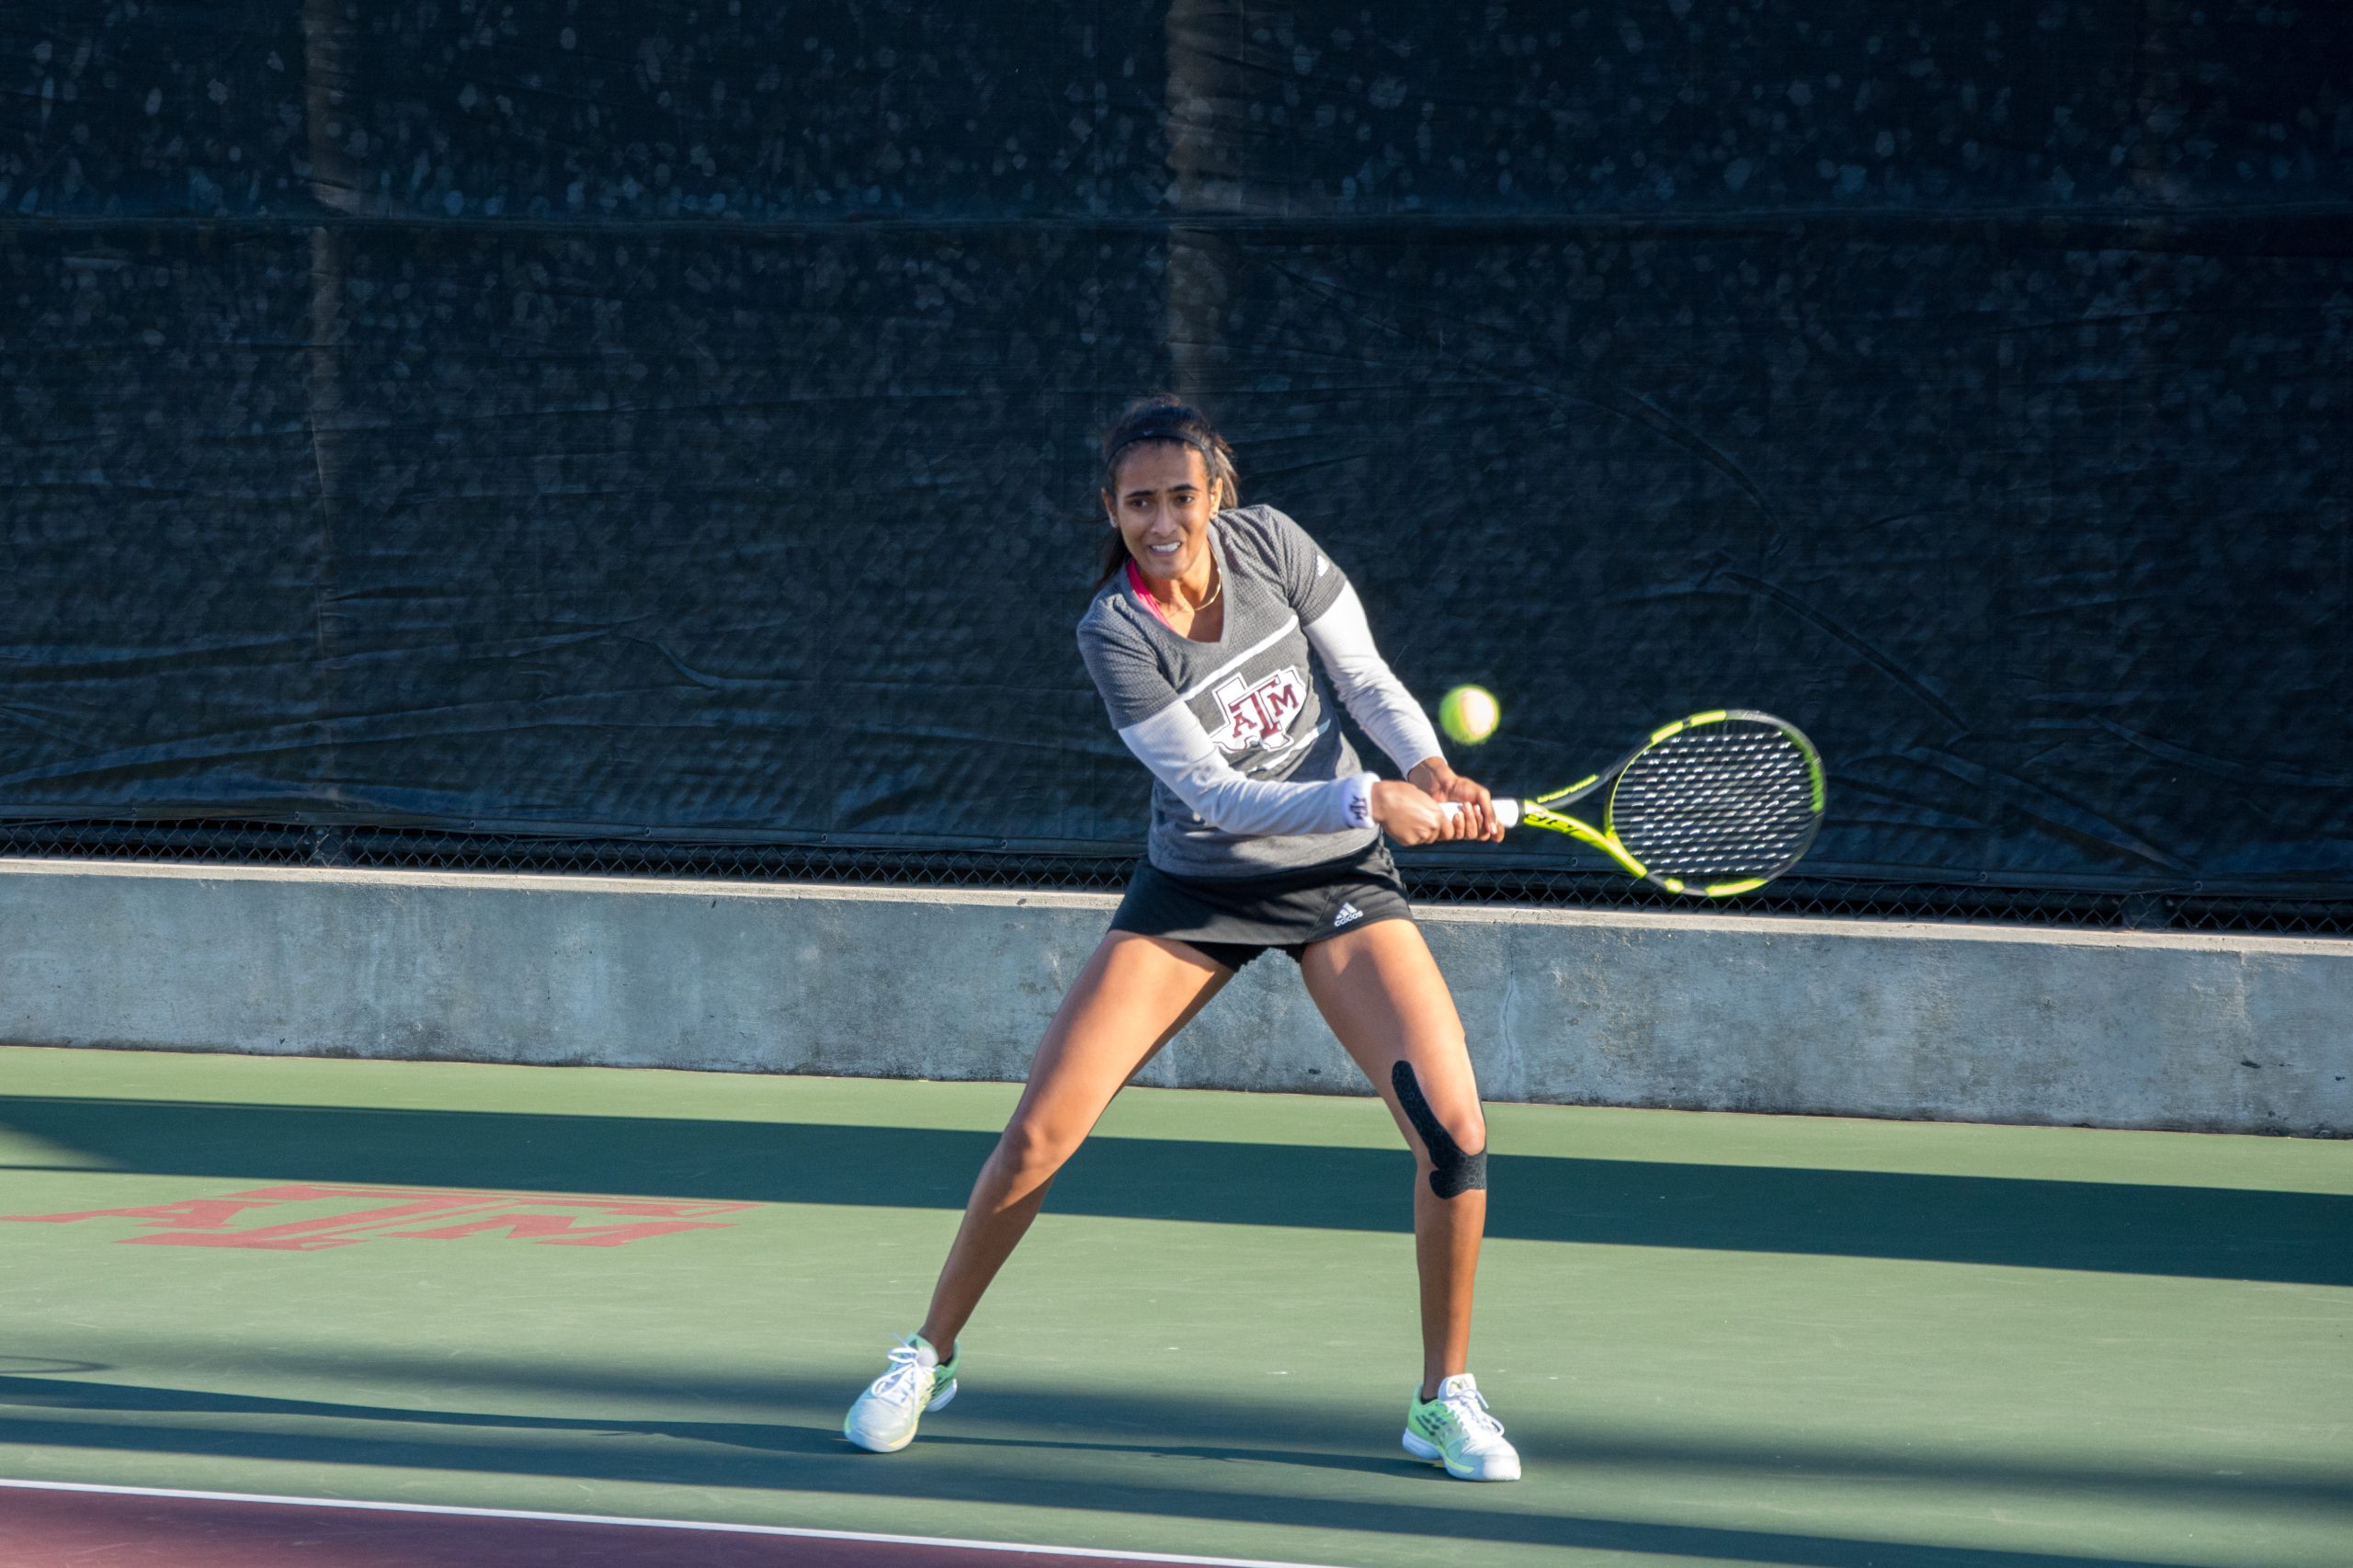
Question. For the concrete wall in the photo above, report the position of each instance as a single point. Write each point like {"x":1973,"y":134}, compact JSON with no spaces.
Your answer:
{"x":1983,"y":1024}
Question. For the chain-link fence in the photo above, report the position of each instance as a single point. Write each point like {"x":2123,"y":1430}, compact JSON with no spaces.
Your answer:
{"x":246,"y":843}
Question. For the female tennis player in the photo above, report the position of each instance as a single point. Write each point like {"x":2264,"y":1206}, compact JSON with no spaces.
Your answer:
{"x":1266,"y":833}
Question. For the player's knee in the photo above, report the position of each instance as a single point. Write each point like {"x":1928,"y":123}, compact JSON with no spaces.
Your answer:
{"x":1032,"y":1151}
{"x":1469,"y":1131}
{"x":1453,"y":1147}
{"x":1457,"y":1163}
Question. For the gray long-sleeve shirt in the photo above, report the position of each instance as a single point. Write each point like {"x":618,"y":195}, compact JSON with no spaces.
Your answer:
{"x":1251,"y":773}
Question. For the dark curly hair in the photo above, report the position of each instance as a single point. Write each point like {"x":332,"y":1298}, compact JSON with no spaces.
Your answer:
{"x":1163,"y":416}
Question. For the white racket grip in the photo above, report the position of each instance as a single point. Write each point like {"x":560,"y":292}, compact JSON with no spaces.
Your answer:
{"x":1506,"y":811}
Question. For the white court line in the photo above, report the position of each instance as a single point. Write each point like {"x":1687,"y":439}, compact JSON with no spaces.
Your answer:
{"x":438,"y":1510}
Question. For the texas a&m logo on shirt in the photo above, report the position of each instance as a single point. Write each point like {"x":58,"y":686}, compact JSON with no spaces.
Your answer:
{"x":1259,"y":713}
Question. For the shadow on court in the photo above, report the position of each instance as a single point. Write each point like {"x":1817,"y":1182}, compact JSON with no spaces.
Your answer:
{"x":1129,"y":1421}
{"x":807,"y":1456}
{"x":2204,"y":1232}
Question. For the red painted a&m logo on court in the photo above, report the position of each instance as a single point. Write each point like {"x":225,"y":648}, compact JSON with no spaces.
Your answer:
{"x":1259,"y":713}
{"x":311,"y":1218}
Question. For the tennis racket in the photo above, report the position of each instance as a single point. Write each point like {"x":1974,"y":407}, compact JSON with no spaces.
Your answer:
{"x":1711,"y":805}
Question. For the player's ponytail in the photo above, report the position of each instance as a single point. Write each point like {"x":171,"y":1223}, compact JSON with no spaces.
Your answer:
{"x":1164,"y":417}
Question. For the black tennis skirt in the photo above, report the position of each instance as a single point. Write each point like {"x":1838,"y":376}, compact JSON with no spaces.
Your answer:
{"x":1234,"y":919}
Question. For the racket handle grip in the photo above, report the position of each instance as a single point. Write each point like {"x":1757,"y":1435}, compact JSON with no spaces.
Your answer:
{"x":1506,"y":811}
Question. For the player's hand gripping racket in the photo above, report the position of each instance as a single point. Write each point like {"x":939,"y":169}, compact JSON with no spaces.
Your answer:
{"x":1711,"y":805}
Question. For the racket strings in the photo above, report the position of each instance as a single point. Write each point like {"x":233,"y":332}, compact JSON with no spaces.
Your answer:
{"x":1722,"y":801}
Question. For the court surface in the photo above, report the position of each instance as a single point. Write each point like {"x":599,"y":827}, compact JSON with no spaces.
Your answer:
{"x":570,"y":1295}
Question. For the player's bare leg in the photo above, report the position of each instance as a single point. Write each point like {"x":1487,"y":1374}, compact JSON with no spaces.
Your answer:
{"x":1381,"y":992}
{"x":1382,"y":995}
{"x":1132,"y":998}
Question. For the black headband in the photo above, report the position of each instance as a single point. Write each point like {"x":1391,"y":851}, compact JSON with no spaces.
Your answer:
{"x":1162,"y":433}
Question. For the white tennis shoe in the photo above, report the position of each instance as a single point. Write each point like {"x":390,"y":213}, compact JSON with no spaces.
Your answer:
{"x":1457,"y":1430}
{"x":883,"y":1419}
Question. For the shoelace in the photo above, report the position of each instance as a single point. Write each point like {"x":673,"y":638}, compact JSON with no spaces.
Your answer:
{"x":906,"y":1377}
{"x":1471,"y":1409}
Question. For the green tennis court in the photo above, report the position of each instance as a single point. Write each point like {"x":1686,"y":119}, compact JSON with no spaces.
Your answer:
{"x":1714,"y":1339}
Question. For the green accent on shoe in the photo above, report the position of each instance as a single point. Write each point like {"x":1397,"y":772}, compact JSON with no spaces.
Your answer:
{"x":1438,"y":1433}
{"x":1431,"y":1418}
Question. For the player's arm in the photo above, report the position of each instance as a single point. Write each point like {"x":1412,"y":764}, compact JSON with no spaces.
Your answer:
{"x":1337,"y":629}
{"x":1180,"y":754}
{"x":1368,"y":687}
{"x":1377,"y":699}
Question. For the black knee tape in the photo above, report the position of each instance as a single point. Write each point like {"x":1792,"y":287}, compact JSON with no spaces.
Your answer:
{"x":1452,"y":1172}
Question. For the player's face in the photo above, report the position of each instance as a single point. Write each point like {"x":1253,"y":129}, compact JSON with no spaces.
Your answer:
{"x":1162,"y":502}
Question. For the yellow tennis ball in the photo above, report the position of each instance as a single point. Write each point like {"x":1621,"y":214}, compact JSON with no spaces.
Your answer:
{"x":1469,"y":714}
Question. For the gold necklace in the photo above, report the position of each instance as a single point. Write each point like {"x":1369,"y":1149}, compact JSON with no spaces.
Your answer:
{"x":1197,"y":610}
{"x":1213,"y":594}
